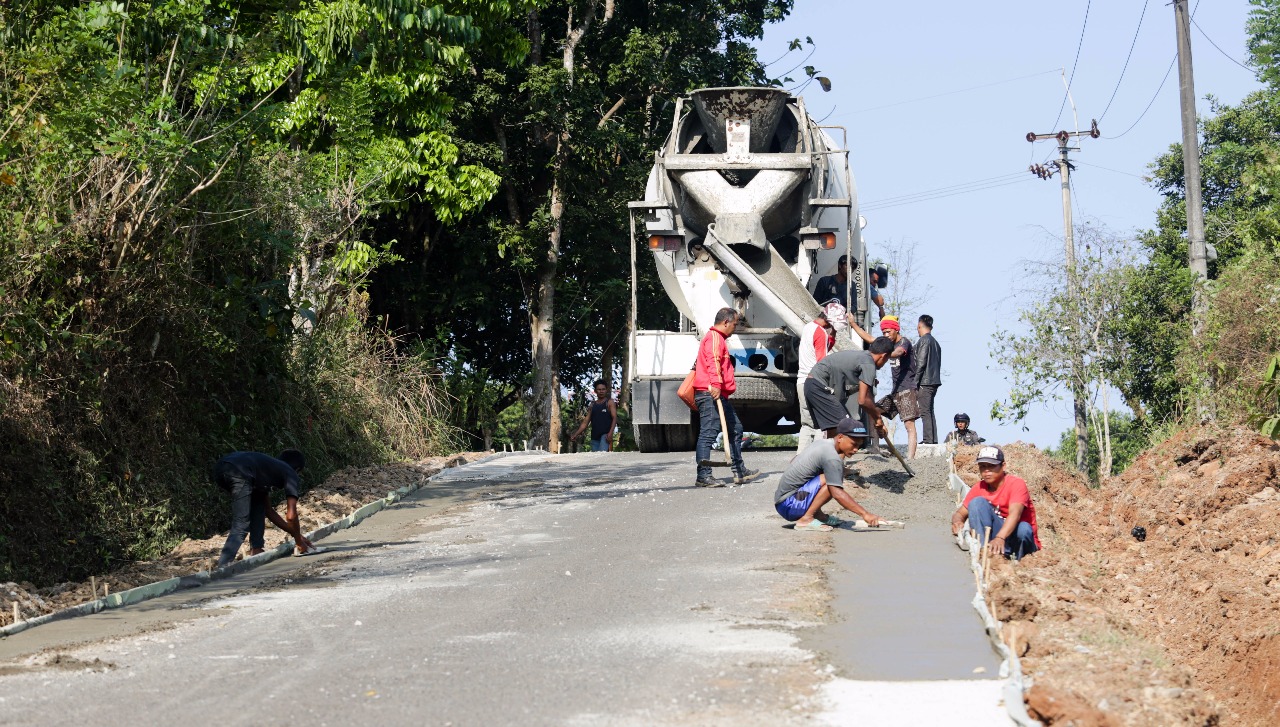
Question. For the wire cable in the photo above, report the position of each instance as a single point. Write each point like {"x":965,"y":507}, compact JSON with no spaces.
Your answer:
{"x":1127,"y":58}
{"x":974,"y":183}
{"x":1215,"y":45}
{"x":1109,"y":169}
{"x":1079,"y":45}
{"x":951,"y":93}
{"x":875,"y":206}
{"x":1149,"y":103}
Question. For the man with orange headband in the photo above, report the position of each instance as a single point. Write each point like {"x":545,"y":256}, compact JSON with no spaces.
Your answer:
{"x":902,"y":399}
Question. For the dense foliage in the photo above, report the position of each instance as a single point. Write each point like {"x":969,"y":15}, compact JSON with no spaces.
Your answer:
{"x":186,"y":189}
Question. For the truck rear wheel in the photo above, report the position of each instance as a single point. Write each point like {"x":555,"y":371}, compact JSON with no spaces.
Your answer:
{"x":649,"y":438}
{"x":681,"y":437}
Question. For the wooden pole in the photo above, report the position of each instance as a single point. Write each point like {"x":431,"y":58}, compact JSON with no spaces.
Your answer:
{"x":17,"y":615}
{"x":986,"y":552}
{"x":93,"y":584}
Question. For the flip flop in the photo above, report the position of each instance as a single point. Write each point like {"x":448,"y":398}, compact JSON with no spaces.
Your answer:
{"x":813,"y":527}
{"x":314,"y":550}
{"x":836,"y":522}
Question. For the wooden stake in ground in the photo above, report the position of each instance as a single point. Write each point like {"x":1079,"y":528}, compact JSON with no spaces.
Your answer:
{"x":93,"y":585}
{"x":17,"y":615}
{"x":986,"y":552}
{"x":106,"y":589}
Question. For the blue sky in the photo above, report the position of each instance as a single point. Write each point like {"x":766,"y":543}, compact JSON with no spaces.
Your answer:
{"x":973,"y":245}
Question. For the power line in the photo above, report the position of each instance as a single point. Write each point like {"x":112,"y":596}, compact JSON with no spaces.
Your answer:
{"x":1109,"y":169}
{"x":1215,"y":45}
{"x":1079,"y":45}
{"x":1151,"y":102}
{"x":1126,"y":60}
{"x":873,"y":207}
{"x":950,"y":93}
{"x":973,"y":183}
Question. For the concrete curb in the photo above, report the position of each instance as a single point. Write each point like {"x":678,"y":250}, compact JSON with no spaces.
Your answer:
{"x":165,"y":587}
{"x":1015,"y":685}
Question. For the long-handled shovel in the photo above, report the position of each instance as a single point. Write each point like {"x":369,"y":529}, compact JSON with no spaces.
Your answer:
{"x":724,"y":429}
{"x":894,"y":451}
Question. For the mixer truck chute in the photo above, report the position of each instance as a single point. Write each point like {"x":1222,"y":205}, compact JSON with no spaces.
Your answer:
{"x":748,"y":203}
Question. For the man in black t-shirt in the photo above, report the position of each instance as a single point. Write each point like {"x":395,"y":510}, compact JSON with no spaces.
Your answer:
{"x":249,"y":478}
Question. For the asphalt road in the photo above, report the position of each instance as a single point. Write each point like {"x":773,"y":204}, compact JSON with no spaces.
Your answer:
{"x":528,"y":589}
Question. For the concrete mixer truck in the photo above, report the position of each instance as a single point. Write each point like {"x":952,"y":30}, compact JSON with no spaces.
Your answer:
{"x":749,"y":202}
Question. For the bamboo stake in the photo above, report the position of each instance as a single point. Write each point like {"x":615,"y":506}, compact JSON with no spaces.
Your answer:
{"x":106,"y":589}
{"x":93,"y":584}
{"x":986,"y":552}
{"x":17,"y":615}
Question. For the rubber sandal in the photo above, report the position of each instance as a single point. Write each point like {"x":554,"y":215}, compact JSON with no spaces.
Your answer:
{"x":836,"y":522}
{"x":813,"y":527}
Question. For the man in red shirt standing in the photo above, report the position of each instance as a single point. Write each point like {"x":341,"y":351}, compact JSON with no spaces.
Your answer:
{"x":999,"y":501}
{"x":713,"y":381}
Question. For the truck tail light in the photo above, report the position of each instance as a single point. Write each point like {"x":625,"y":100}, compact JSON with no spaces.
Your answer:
{"x":828,"y":240}
{"x":667,"y":243}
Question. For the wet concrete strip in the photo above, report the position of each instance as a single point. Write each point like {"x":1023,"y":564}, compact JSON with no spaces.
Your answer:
{"x":903,"y":597}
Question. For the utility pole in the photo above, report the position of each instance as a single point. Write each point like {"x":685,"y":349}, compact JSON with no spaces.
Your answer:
{"x":1197,"y":253}
{"x":1064,"y":139}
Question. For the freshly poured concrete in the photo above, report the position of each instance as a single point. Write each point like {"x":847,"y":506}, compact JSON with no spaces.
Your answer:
{"x":908,"y":592}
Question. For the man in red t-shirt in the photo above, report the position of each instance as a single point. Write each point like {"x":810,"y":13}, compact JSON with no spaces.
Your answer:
{"x":999,"y":501}
{"x":713,"y":380}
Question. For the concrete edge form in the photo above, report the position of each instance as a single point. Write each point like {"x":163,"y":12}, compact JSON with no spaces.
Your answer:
{"x":1011,"y":667}
{"x":165,"y":587}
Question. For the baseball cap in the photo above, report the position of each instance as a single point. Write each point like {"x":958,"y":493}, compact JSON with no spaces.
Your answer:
{"x":851,"y":427}
{"x":990,"y":455}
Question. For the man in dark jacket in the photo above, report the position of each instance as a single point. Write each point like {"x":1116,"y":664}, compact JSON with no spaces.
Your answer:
{"x":928,"y":376}
{"x":249,"y":478}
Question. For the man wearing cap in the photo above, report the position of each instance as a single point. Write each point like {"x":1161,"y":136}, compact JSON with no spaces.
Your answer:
{"x":815,"y":342}
{"x":713,"y":384}
{"x":825,"y":388}
{"x":816,"y":476}
{"x":902,"y":399}
{"x":1001,"y":502}
{"x":249,"y":478}
{"x":963,"y":435}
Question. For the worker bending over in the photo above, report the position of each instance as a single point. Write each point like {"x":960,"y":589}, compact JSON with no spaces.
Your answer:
{"x":963,"y":435}
{"x":249,"y":478}
{"x":1001,"y":502}
{"x":825,"y":389}
{"x":816,"y":476}
{"x":901,"y":401}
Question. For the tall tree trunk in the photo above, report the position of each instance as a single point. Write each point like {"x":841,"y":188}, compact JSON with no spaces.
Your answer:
{"x":606,"y":366}
{"x":544,"y":416}
{"x":544,"y":411}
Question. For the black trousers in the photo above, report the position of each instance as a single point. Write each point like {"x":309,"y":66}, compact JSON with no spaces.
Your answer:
{"x":925,"y":397}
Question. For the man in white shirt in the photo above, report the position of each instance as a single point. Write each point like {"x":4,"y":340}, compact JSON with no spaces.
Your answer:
{"x":815,"y":342}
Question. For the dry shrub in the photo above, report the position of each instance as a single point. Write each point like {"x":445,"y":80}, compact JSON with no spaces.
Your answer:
{"x":1241,"y":334}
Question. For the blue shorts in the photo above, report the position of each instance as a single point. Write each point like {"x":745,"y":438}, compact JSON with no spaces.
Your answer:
{"x":797,"y":504}
{"x":601,"y":444}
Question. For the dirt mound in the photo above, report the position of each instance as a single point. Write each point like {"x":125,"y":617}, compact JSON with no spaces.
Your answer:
{"x":344,"y":491}
{"x":1176,"y":624}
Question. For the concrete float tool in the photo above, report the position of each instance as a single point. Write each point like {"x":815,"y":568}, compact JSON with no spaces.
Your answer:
{"x":724,"y":429}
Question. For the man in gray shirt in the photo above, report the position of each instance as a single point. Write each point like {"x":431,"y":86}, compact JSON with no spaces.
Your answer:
{"x":816,"y":476}
{"x":825,"y":389}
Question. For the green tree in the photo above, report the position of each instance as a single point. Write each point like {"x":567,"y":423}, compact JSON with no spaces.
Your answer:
{"x":1127,"y":437}
{"x":542,"y":284}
